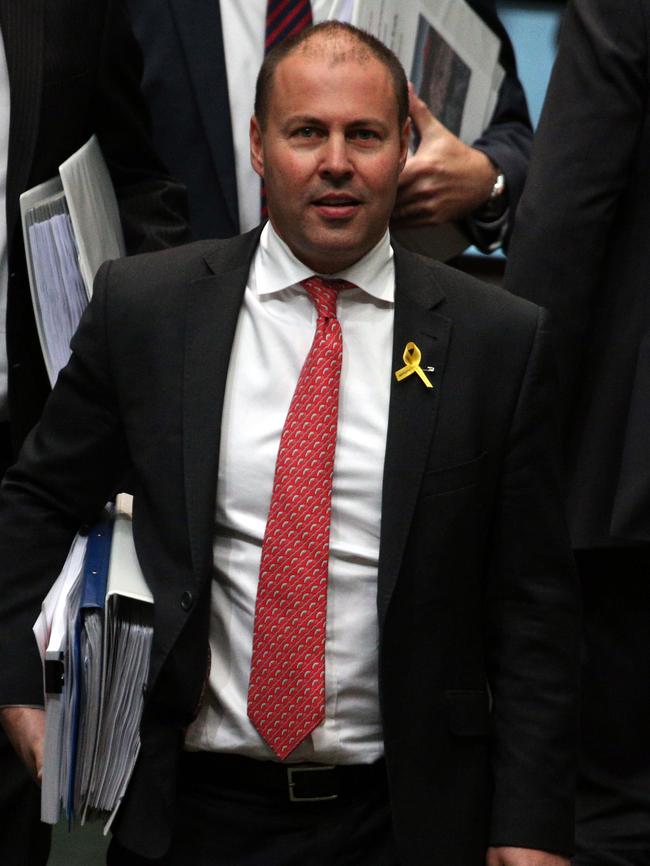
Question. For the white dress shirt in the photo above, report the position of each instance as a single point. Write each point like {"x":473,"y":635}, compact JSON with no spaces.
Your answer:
{"x":243,"y":25}
{"x":274,"y":332}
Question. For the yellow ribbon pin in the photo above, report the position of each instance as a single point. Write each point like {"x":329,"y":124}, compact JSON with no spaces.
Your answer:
{"x":412,"y":357}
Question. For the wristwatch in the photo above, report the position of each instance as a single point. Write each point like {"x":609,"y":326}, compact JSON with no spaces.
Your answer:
{"x":497,"y":201}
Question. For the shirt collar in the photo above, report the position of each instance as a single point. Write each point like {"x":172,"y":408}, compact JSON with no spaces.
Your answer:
{"x":276,"y":268}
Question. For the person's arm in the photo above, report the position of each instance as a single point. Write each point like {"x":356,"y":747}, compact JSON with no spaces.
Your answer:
{"x":153,"y":206}
{"x":448,"y":180}
{"x":588,"y":140}
{"x":74,"y":460}
{"x":532,"y":632}
{"x":507,"y":140}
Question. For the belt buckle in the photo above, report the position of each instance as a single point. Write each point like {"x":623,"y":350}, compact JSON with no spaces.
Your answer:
{"x":316,"y":768}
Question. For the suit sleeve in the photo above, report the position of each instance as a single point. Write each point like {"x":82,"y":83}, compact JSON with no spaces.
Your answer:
{"x":153,"y":206}
{"x":507,"y":141}
{"x":74,"y":460}
{"x":586,"y":144}
{"x":532,"y":627}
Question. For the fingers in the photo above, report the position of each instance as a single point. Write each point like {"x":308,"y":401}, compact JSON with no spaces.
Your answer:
{"x":511,"y":856}
{"x":425,"y":123}
{"x":25,"y":728}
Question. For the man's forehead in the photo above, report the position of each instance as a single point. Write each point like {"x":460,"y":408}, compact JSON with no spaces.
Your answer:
{"x":351,"y":94}
{"x":333,"y":49}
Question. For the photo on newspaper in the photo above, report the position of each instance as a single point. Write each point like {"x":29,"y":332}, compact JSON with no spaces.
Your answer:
{"x":440,"y":77}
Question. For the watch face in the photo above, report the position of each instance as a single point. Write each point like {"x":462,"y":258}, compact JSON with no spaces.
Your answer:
{"x":499,"y":188}
{"x":496,"y":204}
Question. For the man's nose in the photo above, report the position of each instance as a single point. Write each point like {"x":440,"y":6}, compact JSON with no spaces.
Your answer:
{"x":335,"y":158}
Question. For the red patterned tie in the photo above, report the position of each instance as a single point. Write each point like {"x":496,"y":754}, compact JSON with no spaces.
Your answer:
{"x":283,"y":18}
{"x":286,"y":692}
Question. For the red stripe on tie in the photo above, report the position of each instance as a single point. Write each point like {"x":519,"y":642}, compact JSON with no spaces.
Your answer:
{"x":272,"y":38}
{"x":272,"y":13}
{"x":305,"y":21}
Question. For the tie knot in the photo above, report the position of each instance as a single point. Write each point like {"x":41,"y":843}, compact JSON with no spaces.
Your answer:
{"x":324,"y":293}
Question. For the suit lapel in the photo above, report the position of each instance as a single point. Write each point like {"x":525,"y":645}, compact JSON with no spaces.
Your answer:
{"x":412,"y":412}
{"x":22,"y":31}
{"x":207,"y":68}
{"x":212,"y":312}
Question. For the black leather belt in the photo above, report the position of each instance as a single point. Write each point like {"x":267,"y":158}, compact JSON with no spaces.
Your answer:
{"x":296,"y":783}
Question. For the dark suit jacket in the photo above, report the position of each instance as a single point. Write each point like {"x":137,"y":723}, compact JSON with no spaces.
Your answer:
{"x":476,"y":597}
{"x":185,"y":84}
{"x":74,"y":69}
{"x":581,"y":249}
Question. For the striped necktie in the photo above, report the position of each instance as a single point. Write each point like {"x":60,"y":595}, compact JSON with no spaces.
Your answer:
{"x":284,"y":18}
{"x":286,"y":692}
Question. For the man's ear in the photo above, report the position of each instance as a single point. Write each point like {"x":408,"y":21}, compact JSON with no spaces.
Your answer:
{"x":257,"y":148}
{"x":404,"y":139}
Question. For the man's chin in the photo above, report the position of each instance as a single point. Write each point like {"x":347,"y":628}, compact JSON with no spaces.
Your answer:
{"x":335,"y":251}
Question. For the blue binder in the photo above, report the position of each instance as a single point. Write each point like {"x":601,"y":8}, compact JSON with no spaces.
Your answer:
{"x":93,"y":595}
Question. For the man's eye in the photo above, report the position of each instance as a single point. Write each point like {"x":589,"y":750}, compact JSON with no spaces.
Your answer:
{"x":306,"y":132}
{"x":364,"y":134}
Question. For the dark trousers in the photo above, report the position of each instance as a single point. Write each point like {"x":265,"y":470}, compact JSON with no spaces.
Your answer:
{"x":222,"y":822}
{"x":613,"y":809}
{"x":24,"y":841}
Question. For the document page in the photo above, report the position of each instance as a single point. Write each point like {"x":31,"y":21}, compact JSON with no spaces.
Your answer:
{"x":58,"y":292}
{"x":93,"y":209}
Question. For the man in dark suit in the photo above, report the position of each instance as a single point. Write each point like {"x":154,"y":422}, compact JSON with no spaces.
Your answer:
{"x":581,"y":249}
{"x":72,"y":69}
{"x":448,"y":696}
{"x":192,"y":84}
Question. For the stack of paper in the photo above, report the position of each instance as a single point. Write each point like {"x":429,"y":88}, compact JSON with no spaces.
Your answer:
{"x":94,"y":635}
{"x":59,"y":294}
{"x":128,"y":634}
{"x":71,"y":225}
{"x":51,"y":630}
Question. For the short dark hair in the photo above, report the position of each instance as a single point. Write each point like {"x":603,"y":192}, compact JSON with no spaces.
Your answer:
{"x":331,"y":29}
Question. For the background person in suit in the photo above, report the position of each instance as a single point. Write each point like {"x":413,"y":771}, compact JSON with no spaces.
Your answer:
{"x":67,"y":70}
{"x":71,"y":70}
{"x":447,"y":706}
{"x":201,"y":58}
{"x":580,"y":248}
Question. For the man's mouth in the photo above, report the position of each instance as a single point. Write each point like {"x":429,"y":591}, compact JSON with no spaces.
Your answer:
{"x":336,"y":205}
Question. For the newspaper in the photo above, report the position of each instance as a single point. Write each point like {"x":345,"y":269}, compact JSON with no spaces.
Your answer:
{"x":452,"y":58}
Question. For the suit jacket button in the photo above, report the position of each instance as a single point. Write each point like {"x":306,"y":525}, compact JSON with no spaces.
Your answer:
{"x":187,"y":600}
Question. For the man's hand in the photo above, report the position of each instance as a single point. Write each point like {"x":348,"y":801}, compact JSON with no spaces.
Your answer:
{"x":523,"y":857}
{"x":25,"y":728}
{"x":445,"y":179}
